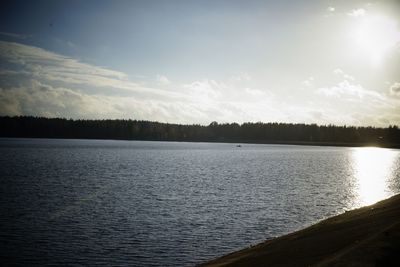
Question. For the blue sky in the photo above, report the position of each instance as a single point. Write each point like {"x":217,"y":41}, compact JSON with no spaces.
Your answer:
{"x":200,"y":61}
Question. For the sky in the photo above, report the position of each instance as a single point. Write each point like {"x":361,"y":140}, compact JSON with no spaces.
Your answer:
{"x":194,"y":62}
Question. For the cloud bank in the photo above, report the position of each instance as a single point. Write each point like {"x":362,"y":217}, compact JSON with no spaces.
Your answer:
{"x":38,"y":82}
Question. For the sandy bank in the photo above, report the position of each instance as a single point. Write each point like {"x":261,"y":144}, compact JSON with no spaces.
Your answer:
{"x":369,"y":236}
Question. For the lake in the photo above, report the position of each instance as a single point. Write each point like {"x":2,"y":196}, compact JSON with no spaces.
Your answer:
{"x":137,"y":203}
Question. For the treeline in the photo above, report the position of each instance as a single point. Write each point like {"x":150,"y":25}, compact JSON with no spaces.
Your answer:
{"x":36,"y":127}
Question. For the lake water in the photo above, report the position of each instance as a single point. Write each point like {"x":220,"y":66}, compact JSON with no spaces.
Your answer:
{"x":94,"y":202}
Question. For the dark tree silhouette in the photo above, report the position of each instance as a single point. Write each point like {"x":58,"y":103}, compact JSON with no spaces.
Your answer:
{"x":37,"y":127}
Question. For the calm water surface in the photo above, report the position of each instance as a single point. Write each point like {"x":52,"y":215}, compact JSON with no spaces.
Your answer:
{"x":90,"y":202}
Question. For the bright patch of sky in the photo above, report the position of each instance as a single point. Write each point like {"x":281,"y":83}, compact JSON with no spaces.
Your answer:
{"x":325,"y":62}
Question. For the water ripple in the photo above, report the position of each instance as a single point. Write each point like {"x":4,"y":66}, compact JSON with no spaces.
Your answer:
{"x":88,"y":202}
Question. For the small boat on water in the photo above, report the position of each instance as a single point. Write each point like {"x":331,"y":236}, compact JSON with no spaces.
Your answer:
{"x":238,"y":145}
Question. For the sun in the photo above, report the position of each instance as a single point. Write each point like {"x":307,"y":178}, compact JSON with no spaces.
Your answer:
{"x":374,"y":36}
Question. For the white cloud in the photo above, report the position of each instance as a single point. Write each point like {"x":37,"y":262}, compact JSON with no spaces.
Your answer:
{"x":43,"y":83}
{"x":15,"y":35}
{"x":163,"y":79}
{"x":331,"y":9}
{"x":255,"y":92}
{"x":338,"y":71}
{"x":206,"y":90}
{"x":44,"y":62}
{"x":350,"y":91}
{"x":352,"y":104}
{"x":357,"y":12}
{"x":38,"y":82}
{"x":39,"y":99}
{"x":36,"y":98}
{"x":309,"y":82}
{"x":52,"y":67}
{"x":395,"y":89}
{"x":341,"y":73}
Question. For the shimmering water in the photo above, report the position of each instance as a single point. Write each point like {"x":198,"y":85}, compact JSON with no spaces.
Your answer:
{"x":90,"y":202}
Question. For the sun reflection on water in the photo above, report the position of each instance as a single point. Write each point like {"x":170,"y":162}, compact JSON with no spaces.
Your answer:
{"x":372,"y":168}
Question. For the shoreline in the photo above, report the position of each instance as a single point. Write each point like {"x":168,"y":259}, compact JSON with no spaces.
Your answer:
{"x":367,"y":236}
{"x":296,"y":143}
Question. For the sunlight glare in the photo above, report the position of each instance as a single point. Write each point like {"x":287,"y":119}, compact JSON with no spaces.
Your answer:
{"x":372,"y":169}
{"x":375,"y":36}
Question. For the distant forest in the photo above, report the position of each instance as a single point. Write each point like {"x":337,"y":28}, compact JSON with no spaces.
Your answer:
{"x":37,"y":127}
